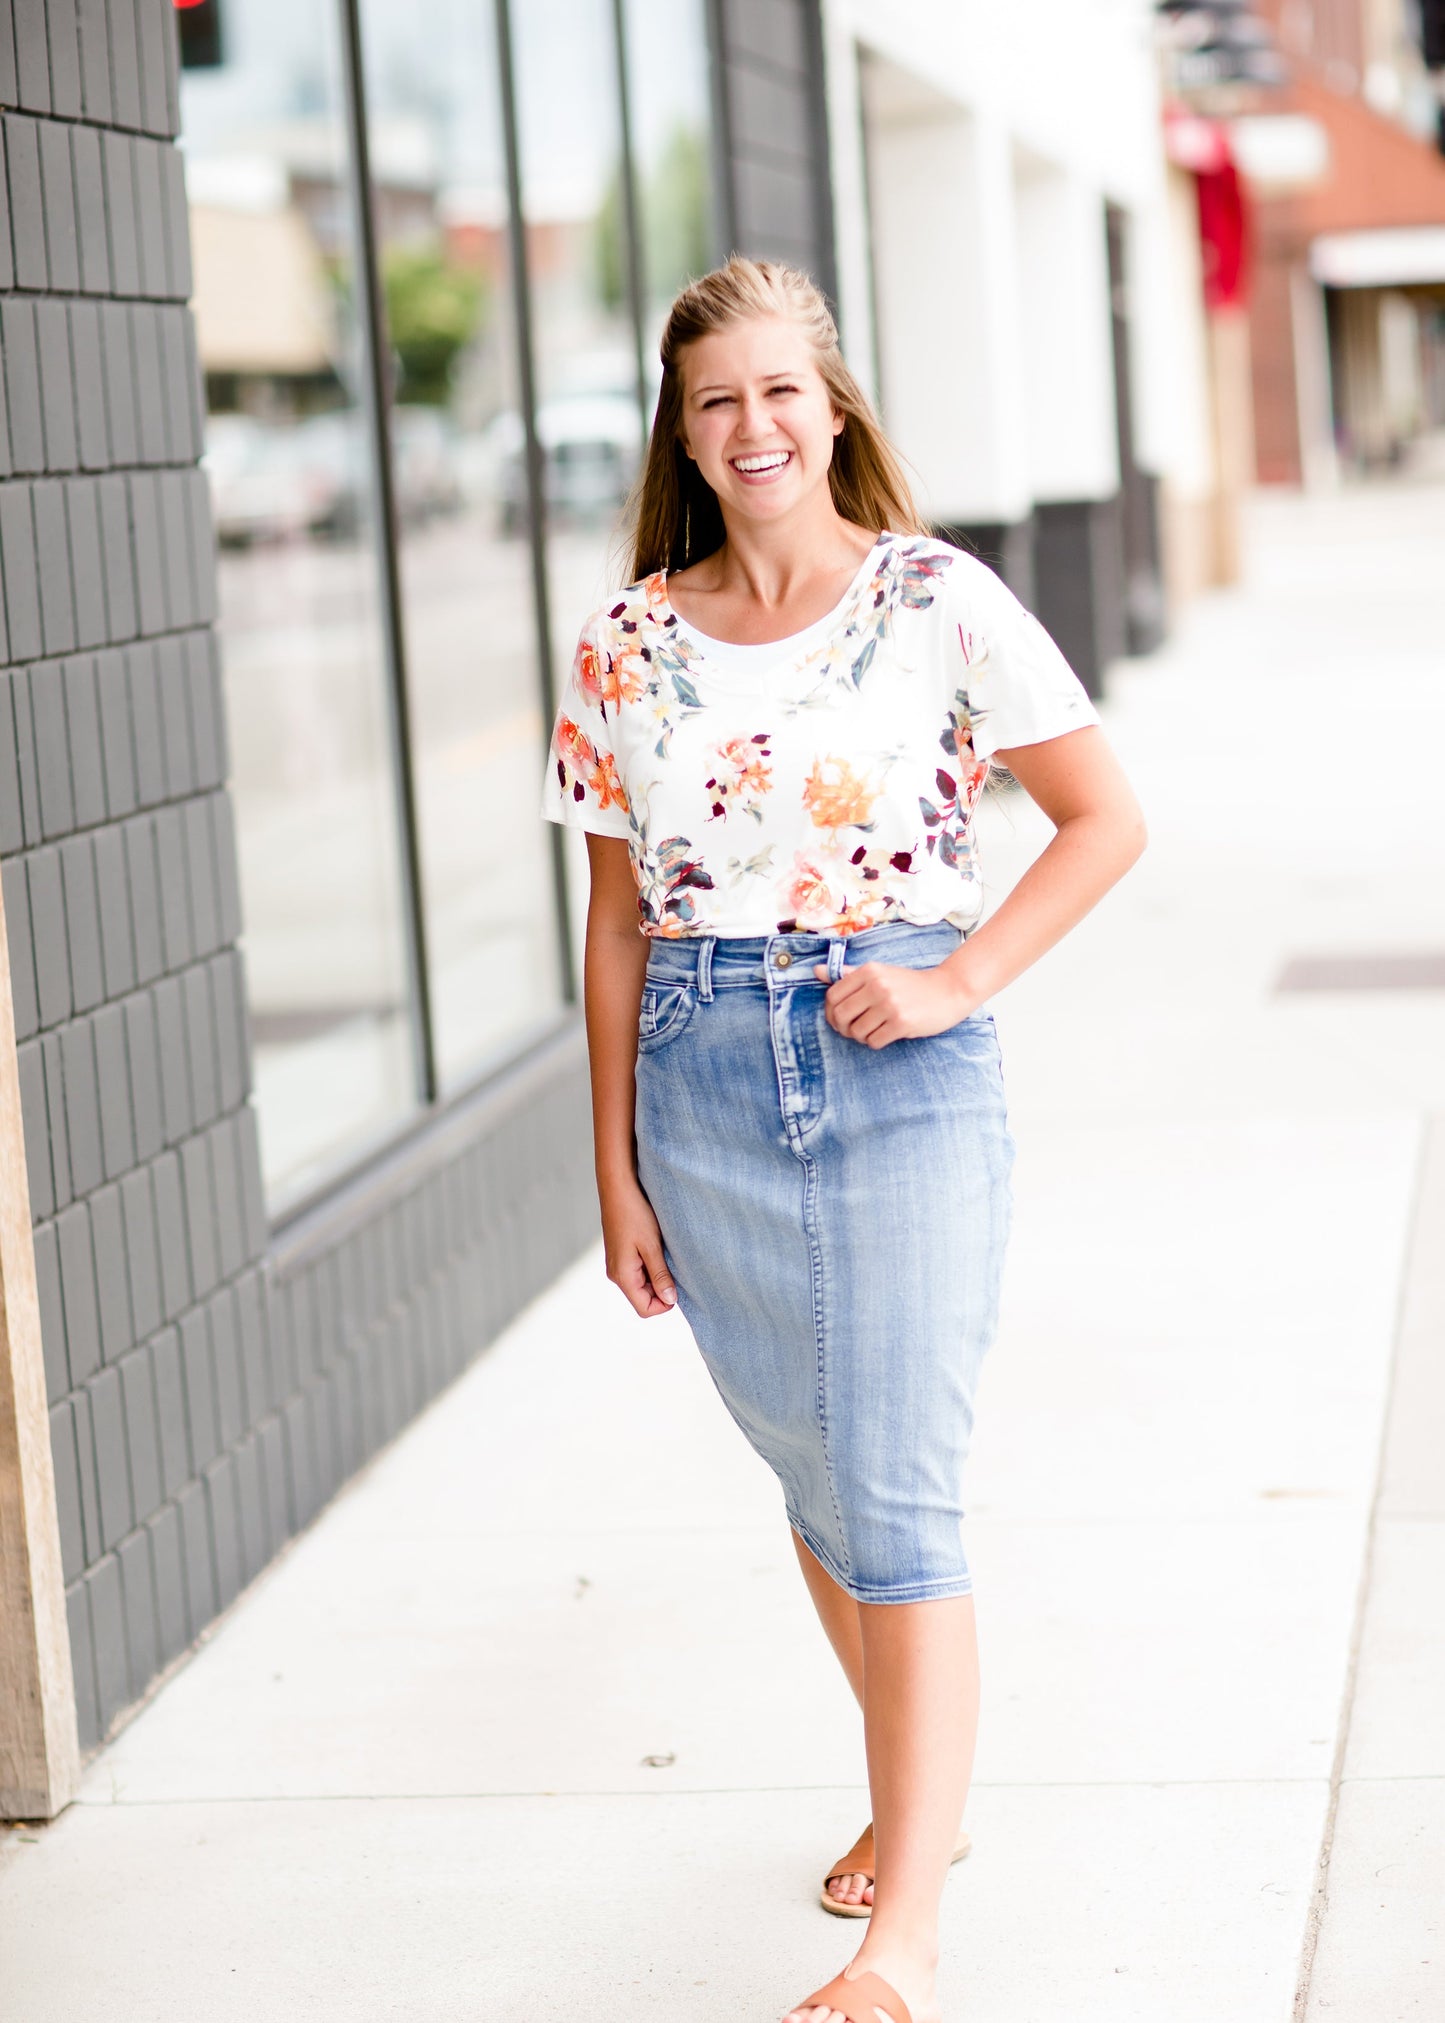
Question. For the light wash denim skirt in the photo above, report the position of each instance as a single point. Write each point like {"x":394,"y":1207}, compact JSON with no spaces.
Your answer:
{"x":835,"y":1217}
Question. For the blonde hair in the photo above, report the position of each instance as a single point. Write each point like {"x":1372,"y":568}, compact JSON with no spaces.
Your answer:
{"x":673,"y":517}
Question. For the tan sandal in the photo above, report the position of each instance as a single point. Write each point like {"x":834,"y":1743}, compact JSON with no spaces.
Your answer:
{"x":860,"y":2000}
{"x":859,"y":1861}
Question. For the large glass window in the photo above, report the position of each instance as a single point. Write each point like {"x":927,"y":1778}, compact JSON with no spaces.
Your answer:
{"x":273,"y":236}
{"x":672,"y":155}
{"x":434,"y":125}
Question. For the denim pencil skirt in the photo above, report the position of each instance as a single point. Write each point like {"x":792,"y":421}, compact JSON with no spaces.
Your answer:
{"x":835,"y":1217}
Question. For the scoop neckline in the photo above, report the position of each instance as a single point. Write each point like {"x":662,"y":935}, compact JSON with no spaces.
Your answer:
{"x":702,"y":641}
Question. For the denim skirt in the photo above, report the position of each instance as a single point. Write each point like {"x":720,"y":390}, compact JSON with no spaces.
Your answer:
{"x":835,"y":1217}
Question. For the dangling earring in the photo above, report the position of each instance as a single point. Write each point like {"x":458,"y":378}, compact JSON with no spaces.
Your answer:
{"x":686,"y":531}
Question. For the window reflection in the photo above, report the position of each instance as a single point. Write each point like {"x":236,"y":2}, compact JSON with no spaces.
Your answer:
{"x":300,"y":626}
{"x":439,"y":191}
{"x":672,"y":154}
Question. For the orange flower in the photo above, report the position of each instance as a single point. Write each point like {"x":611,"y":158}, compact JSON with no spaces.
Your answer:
{"x":811,"y":897}
{"x":605,"y":784}
{"x":839,"y":798}
{"x":625,"y":677}
{"x":588,"y":670}
{"x":572,"y":743}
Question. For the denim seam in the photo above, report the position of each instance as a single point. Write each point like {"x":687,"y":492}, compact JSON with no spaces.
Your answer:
{"x":924,"y":1590}
{"x":815,"y":1252}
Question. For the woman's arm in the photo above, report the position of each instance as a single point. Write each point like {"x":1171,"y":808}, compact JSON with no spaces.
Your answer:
{"x":614,"y":965}
{"x":1099,"y":833}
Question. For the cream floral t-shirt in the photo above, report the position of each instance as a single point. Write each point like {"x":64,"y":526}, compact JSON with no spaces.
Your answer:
{"x":825,"y":782}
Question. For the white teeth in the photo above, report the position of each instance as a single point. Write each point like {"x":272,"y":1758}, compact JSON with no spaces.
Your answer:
{"x":770,"y":463}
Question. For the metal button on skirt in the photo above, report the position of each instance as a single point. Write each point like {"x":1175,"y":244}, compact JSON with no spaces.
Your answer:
{"x":835,"y":1217}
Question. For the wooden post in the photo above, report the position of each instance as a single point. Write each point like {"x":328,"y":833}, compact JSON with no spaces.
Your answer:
{"x":39,"y":1745}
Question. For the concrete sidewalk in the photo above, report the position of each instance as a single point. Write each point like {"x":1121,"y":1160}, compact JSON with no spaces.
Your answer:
{"x":535,"y":1723}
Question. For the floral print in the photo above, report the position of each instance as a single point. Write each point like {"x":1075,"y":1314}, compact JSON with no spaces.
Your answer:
{"x":826,"y":789}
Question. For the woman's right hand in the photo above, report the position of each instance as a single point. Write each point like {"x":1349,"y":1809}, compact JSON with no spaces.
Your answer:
{"x":632,"y":1244}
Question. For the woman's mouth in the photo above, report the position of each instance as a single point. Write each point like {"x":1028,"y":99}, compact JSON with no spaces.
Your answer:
{"x":763,"y":467}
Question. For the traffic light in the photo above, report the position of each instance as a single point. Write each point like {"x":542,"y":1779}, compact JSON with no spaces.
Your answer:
{"x":199,"y":22}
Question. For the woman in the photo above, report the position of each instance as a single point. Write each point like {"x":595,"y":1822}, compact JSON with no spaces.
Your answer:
{"x":775,"y":736}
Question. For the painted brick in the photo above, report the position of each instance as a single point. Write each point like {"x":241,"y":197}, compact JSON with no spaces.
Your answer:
{"x":57,"y":184}
{"x":107,"y":1235}
{"x":77,"y":1291}
{"x":252,"y":1197}
{"x":176,"y":1108}
{"x":229,"y":1005}
{"x":119,"y":381}
{"x":85,"y":1465}
{"x":145,"y":534}
{"x":22,"y":954}
{"x":117,"y":950}
{"x":150,"y":400}
{"x":29,"y":54}
{"x":251,"y":1499}
{"x":107,"y":1622}
{"x":52,"y":947}
{"x":204,"y":704}
{"x":117,"y":1124}
{"x":52,"y":552}
{"x":12,"y":824}
{"x":93,"y":247}
{"x":200,"y":1381}
{"x":92,"y":434}
{"x":82,"y":1106}
{"x":27,"y":214}
{"x":226,"y":1362}
{"x":82,"y":1659}
{"x":7,"y":97}
{"x":175,"y":894}
{"x":178,"y":270}
{"x":138,"y":1596}
{"x":171,"y":1235}
{"x":57,"y":381}
{"x":175,"y":1446}
{"x":120,"y":186}
{"x":192,"y":1508}
{"x":116,"y":550}
{"x":174,"y":492}
{"x":111,"y":1467}
{"x":119,"y":756}
{"x":272,"y":1444}
{"x":94,"y":60}
{"x":52,"y":756}
{"x":200,"y":1044}
{"x":199,"y":1196}
{"x":82,"y":920}
{"x":145,"y":704}
{"x":227,"y":866}
{"x":203,"y":545}
{"x":220,"y":1481}
{"x":20,"y":357}
{"x":143,"y":1059}
{"x":142,"y":1436}
{"x":67,"y":1490}
{"x":145,"y":896}
{"x":205,"y":886}
{"x":143,"y":1265}
{"x":172,"y":686}
{"x":167,"y":1565}
{"x":65,"y":99}
{"x":52,"y":1311}
{"x":171,"y":51}
{"x":150,"y":20}
{"x":30,"y":1065}
{"x":18,"y":686}
{"x":82,"y":519}
{"x":301,"y":1465}
{"x":194,"y":380}
{"x":255,"y":1363}
{"x":57,"y":1126}
{"x":231,"y":1240}
{"x":170,"y":318}
{"x":277,"y":1301}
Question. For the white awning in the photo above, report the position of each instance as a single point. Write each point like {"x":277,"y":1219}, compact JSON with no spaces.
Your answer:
{"x":1396,"y":258}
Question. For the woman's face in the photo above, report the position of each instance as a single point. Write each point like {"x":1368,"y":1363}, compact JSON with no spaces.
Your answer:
{"x":756,"y":416}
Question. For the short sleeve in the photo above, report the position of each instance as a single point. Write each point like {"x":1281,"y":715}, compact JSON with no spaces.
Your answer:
{"x":581,"y":788}
{"x":1021,"y":690}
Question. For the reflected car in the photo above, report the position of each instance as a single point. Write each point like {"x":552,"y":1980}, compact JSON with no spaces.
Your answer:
{"x":591,"y":446}
{"x":425,"y":455}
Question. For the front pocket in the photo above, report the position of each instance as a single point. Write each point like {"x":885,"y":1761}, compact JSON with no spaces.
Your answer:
{"x":664,"y":1012}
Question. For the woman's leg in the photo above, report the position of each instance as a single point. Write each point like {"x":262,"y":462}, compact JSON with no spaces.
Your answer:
{"x":920,"y":1723}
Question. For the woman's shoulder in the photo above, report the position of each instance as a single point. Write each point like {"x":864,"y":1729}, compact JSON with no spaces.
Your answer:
{"x":627,"y":608}
{"x":943,"y":582}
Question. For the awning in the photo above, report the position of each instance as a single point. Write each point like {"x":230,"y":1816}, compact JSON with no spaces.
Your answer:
{"x":1396,"y":257}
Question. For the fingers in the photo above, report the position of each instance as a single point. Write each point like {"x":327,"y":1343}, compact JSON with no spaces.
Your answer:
{"x":858,"y":1005}
{"x":645,"y":1281}
{"x":660,"y":1285}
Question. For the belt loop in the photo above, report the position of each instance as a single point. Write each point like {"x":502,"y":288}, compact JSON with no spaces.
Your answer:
{"x":836,"y":951}
{"x":704,"y":968}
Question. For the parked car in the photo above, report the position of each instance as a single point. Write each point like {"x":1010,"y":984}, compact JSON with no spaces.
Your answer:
{"x":591,"y":446}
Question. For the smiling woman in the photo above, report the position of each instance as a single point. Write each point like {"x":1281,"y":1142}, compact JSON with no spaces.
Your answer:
{"x":775,"y":737}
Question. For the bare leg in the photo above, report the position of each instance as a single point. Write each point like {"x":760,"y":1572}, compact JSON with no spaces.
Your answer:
{"x":920,"y":1723}
{"x":838,"y":1613}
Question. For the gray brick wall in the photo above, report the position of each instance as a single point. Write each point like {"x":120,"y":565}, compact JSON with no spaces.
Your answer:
{"x":768,"y":110}
{"x":208,"y":1389}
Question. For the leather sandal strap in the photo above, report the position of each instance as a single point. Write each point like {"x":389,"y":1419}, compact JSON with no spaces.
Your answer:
{"x":860,"y":2000}
{"x":858,"y":1860}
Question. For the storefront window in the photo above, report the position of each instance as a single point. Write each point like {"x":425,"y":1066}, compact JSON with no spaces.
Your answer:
{"x":300,"y":625}
{"x":672,"y":154}
{"x":434,"y":127}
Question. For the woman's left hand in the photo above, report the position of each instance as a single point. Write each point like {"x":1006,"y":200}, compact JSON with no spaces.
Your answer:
{"x":878,"y":1002}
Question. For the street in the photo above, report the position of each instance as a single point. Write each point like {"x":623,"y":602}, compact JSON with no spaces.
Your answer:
{"x":534,"y":1723}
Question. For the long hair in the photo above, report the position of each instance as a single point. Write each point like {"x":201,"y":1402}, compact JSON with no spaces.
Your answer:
{"x":673,"y":517}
